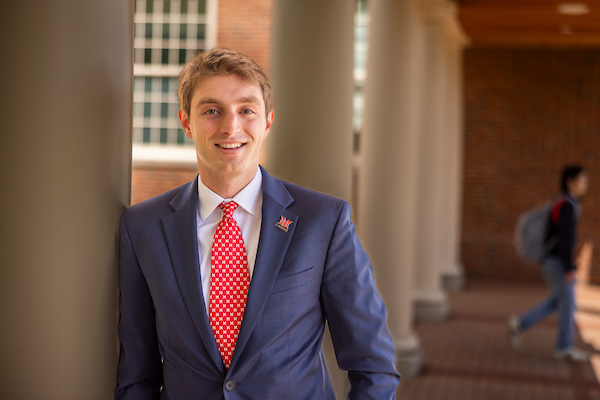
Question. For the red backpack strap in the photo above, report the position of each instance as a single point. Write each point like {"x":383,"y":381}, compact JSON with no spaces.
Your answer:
{"x":555,"y":213}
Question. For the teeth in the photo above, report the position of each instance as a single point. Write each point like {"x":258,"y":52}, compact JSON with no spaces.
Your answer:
{"x":229,"y":145}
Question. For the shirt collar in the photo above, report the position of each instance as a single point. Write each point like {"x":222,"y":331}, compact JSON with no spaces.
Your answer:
{"x":249,"y":198}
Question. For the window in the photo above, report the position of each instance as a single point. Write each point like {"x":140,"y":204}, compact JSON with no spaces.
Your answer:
{"x":166,"y":35}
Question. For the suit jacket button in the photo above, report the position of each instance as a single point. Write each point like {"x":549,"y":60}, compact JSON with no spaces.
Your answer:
{"x":230,"y":386}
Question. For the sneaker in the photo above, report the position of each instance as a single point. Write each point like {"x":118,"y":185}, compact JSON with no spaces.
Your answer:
{"x":513,"y":331}
{"x":572,"y":354}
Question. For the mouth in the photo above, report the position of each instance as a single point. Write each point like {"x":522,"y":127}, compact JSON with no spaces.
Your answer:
{"x":230,"y":145}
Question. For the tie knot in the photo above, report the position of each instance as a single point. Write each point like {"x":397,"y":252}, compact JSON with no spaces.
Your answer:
{"x":228,"y":208}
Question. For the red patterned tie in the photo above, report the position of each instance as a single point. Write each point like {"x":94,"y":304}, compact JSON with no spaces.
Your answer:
{"x":229,"y":281}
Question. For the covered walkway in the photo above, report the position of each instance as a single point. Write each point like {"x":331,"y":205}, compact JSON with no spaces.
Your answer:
{"x":468,"y":357}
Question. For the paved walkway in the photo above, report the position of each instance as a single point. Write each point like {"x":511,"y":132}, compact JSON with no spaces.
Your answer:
{"x":467,"y":357}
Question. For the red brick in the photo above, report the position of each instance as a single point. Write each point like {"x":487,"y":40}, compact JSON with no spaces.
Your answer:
{"x":527,"y":114}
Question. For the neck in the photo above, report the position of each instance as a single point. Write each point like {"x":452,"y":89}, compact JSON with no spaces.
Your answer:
{"x":226,"y":186}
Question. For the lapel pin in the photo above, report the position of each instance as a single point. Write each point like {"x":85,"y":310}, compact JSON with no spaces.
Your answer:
{"x":284,"y":224}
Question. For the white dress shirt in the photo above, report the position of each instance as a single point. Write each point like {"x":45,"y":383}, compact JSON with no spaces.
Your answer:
{"x":248,"y":217}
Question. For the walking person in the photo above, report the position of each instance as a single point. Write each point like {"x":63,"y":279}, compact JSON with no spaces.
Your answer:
{"x":559,"y":270}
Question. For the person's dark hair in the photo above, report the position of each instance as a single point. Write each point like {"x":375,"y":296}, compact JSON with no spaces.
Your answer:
{"x":569,"y":172}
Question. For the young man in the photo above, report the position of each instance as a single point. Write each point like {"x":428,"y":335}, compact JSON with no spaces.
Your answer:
{"x":559,"y":270}
{"x":227,"y":281}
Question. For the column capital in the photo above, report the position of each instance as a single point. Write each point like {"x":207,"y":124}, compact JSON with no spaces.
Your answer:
{"x":444,"y":14}
{"x":455,"y":34}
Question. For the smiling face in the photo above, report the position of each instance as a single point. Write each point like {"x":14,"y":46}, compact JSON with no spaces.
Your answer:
{"x":228,"y":124}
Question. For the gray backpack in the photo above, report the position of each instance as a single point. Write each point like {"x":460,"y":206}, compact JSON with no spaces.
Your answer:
{"x":530,"y":234}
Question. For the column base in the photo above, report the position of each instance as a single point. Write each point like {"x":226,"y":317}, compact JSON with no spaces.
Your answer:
{"x":409,"y":356}
{"x":453,"y":282}
{"x":409,"y":362}
{"x":431,"y":306}
{"x":453,"y":277}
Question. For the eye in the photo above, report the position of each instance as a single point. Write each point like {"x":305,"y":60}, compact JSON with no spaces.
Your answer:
{"x":211,"y":112}
{"x":247,"y":111}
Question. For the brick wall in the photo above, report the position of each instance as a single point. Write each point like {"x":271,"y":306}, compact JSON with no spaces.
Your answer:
{"x":243,"y":26}
{"x":527,"y":113}
{"x":147,"y":182}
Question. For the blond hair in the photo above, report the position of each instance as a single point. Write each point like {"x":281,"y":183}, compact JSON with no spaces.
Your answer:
{"x":221,"y":61}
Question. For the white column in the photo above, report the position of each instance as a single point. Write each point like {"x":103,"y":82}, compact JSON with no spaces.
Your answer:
{"x":65,"y":168}
{"x":430,"y":301}
{"x":388,"y":179}
{"x":452,"y":270}
{"x":310,"y":143}
{"x":311,"y":72}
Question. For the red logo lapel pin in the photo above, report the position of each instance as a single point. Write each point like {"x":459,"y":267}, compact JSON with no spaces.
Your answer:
{"x":284,"y":224}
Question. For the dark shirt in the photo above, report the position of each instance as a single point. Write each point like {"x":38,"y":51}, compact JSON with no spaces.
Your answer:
{"x":563,"y":223}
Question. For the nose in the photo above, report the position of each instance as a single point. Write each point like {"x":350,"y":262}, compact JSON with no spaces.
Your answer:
{"x":230,"y":123}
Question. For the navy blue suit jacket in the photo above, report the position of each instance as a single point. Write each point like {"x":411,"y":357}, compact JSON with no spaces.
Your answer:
{"x":314,"y":272}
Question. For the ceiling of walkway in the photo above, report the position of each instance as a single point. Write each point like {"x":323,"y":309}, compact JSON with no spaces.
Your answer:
{"x":531,"y":23}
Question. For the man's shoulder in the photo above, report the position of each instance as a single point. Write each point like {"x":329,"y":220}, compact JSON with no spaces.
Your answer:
{"x":159,"y":204}
{"x":320,"y":208}
{"x":301,"y":192}
{"x":279,"y":190}
{"x":563,"y":205}
{"x":310,"y":199}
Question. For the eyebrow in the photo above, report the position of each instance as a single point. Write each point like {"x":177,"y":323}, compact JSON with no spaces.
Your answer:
{"x":210,"y":100}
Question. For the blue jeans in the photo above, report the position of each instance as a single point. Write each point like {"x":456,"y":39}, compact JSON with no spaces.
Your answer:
{"x":560,"y":299}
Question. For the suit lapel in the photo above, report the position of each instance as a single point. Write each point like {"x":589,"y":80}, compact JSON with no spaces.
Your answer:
{"x":181,"y":234}
{"x":272,"y":247}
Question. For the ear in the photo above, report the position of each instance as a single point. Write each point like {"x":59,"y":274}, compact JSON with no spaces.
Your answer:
{"x":270,"y":117}
{"x":185,"y":123}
